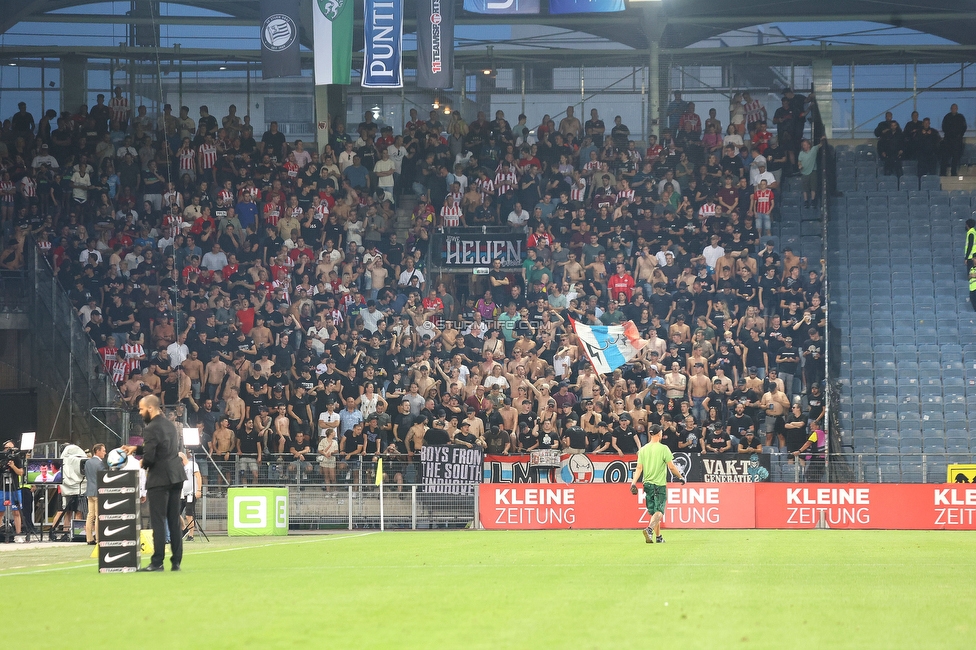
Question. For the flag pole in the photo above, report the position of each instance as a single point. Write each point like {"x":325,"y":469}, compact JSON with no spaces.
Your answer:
{"x":379,"y":484}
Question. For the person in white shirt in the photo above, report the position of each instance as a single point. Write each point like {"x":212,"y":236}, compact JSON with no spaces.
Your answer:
{"x":178,"y":352}
{"x":302,"y":157}
{"x":518,"y":218}
{"x":713,"y":252}
{"x":44,"y":158}
{"x":758,"y":172}
{"x":215,"y":260}
{"x":384,"y":170}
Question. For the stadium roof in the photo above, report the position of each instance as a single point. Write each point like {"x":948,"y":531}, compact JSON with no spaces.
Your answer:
{"x":675,"y":23}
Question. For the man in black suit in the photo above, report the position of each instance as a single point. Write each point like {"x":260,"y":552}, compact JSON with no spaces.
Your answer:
{"x":164,"y":481}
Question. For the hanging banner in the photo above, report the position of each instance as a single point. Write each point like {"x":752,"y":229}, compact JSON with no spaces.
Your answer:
{"x":585,"y":6}
{"x":611,"y":468}
{"x":502,"y":7}
{"x":450,"y":469}
{"x":280,"y":52}
{"x":435,"y":43}
{"x":472,"y":250}
{"x":383,"y":60}
{"x":332,"y":28}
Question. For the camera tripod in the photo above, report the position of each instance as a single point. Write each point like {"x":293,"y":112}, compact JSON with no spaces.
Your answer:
{"x":10,"y":488}
{"x":197,"y":527}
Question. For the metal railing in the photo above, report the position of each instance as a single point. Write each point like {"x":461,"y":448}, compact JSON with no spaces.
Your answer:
{"x":355,"y":507}
{"x":883,"y":467}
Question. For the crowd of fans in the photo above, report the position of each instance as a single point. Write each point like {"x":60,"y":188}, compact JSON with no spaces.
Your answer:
{"x":259,"y":286}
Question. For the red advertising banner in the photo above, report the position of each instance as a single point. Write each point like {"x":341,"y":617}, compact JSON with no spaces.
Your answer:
{"x":554,"y":506}
{"x":730,"y":505}
{"x":864,"y":506}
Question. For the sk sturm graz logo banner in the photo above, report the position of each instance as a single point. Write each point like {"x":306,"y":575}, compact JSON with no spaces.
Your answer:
{"x":280,"y":52}
{"x":332,"y":27}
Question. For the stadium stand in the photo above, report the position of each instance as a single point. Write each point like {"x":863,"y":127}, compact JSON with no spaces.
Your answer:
{"x":900,"y":300}
{"x":237,"y":277}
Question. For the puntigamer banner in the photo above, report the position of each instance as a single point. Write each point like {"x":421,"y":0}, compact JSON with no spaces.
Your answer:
{"x":383,"y":59}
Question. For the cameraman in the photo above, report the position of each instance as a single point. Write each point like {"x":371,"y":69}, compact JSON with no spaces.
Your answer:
{"x":14,"y":469}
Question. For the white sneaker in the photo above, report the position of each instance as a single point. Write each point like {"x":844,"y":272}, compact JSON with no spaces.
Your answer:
{"x":20,"y":539}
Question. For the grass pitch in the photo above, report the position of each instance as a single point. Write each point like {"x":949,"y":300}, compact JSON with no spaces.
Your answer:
{"x":473,"y":589}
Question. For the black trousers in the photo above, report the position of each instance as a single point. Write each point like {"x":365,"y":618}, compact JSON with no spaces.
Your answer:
{"x":164,"y":510}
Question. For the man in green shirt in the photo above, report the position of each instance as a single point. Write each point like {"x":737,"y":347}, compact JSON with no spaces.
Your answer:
{"x":653,"y":462}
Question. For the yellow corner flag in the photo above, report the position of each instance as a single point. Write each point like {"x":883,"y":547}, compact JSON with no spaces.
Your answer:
{"x":379,"y":471}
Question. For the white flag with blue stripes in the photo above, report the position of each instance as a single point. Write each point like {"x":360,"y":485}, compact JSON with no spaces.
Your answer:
{"x":609,"y":347}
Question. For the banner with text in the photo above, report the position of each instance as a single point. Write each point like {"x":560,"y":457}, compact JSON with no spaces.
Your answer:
{"x":890,"y":507}
{"x":610,"y":468}
{"x":726,"y":505}
{"x":502,"y":7}
{"x":435,"y":43}
{"x":470,"y":251}
{"x":731,"y":505}
{"x":450,"y":469}
{"x":383,"y":60}
{"x":585,"y":6}
{"x":280,"y":51}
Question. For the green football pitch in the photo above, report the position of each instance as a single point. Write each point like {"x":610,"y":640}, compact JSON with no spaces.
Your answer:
{"x":475,"y":589}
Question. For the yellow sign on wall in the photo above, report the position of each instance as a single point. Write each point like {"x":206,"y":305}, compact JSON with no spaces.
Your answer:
{"x":961,"y":474}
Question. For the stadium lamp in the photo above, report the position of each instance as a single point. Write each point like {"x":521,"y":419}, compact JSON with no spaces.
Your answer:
{"x":436,"y":105}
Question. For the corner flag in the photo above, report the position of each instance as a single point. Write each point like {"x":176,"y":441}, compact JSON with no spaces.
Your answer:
{"x":379,"y":472}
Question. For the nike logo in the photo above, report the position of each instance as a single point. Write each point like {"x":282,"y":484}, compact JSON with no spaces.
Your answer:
{"x":112,"y":477}
{"x":114,"y":504}
{"x":112,"y":558}
{"x":111,"y":531}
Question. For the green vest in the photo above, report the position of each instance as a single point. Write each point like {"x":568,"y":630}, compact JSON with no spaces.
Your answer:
{"x":972,"y":279}
{"x":970,"y":236}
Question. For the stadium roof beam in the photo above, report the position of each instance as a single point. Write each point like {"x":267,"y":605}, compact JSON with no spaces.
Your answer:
{"x":771,"y":54}
{"x":905,"y":19}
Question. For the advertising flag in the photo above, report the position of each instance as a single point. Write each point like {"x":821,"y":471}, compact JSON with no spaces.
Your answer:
{"x":383,"y":31}
{"x":609,"y":347}
{"x":585,"y":6}
{"x":280,"y":52}
{"x":332,"y":27}
{"x":502,"y":7}
{"x":435,"y":43}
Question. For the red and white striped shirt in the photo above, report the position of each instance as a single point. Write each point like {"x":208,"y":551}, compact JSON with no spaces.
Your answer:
{"x":457,"y":196}
{"x":120,"y":108}
{"x":28,"y":187}
{"x":291,"y":168}
{"x":226,"y":196}
{"x":505,"y":182}
{"x":707,"y":210}
{"x":132,"y":352}
{"x":451,"y":215}
{"x":208,"y":156}
{"x":272,"y":214}
{"x":625,"y":194}
{"x":7,"y":190}
{"x":592,"y":166}
{"x":486,"y":186}
{"x":188,"y":160}
{"x":173,"y":220}
{"x":754,"y":111}
{"x":578,"y":191}
{"x":322,"y":211}
{"x":764,"y":200}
